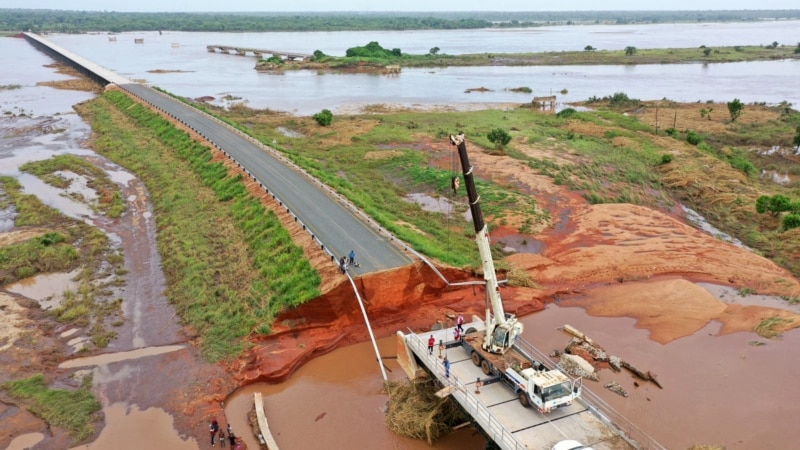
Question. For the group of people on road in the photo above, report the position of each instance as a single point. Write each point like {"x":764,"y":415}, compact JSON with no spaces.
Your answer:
{"x":215,"y":431}
{"x":349,"y":260}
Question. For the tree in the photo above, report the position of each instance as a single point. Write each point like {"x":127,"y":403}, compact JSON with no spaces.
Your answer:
{"x":630,"y":50}
{"x":318,"y":55}
{"x":499,"y":137}
{"x":775,"y":204}
{"x":434,"y":50}
{"x":706,"y":51}
{"x":589,"y":48}
{"x":324,"y":117}
{"x":735,"y":107}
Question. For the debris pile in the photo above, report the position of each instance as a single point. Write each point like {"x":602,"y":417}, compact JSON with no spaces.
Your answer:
{"x":616,"y":388}
{"x":577,"y":366}
{"x":594,"y":355}
{"x":415,"y":411}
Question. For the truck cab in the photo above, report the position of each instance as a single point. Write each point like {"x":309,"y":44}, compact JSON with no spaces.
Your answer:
{"x":545,"y":389}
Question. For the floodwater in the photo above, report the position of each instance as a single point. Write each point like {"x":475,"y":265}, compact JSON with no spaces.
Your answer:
{"x":719,"y":390}
{"x":194,"y":72}
{"x":140,"y":365}
{"x":335,"y":402}
{"x":48,"y":288}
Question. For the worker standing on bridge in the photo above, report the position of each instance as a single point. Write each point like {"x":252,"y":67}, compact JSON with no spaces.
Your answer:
{"x":431,"y":343}
{"x":446,"y":363}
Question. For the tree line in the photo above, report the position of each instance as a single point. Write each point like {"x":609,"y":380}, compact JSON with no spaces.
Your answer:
{"x":62,"y":21}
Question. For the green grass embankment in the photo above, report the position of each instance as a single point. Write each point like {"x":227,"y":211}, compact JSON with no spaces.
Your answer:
{"x":230,"y":265}
{"x":72,"y":410}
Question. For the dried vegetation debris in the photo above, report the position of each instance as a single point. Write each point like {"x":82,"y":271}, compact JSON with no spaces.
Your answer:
{"x":415,"y":411}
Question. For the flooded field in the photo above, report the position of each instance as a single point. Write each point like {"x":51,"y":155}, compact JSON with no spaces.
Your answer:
{"x":723,"y":390}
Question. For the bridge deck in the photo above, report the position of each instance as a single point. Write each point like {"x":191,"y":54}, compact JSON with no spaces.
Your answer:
{"x":498,"y":411}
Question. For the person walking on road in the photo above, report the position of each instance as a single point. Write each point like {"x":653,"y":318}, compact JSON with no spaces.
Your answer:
{"x":221,"y":438}
{"x":446,"y":363}
{"x":343,"y":265}
{"x":431,"y":343}
{"x":460,"y":323}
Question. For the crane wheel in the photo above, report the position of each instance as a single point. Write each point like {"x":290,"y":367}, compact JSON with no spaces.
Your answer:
{"x":476,"y":358}
{"x":485,"y":367}
{"x":523,"y":399}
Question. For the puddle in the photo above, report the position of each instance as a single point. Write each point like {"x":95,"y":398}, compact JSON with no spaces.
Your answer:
{"x":129,"y":428}
{"x":7,"y":218}
{"x":48,"y":289}
{"x":117,"y":357}
{"x":516,"y":243}
{"x":54,"y":197}
{"x":728,"y":294}
{"x":431,"y":204}
{"x":25,"y":441}
{"x":700,"y":221}
{"x":78,"y":186}
{"x":290,"y":133}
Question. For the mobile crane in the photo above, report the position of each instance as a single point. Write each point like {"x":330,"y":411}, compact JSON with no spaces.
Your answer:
{"x":500,"y":351}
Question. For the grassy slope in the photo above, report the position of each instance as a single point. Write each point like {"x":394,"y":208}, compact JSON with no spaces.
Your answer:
{"x":229,"y":263}
{"x":606,"y":155}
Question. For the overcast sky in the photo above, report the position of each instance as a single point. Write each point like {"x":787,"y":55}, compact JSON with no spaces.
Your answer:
{"x":402,"y":5}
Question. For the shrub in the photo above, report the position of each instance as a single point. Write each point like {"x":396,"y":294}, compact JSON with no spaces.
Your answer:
{"x":693,"y":138}
{"x":791,"y":221}
{"x":318,"y":55}
{"x":499,"y":137}
{"x":566,"y":113}
{"x":672,"y":132}
{"x":735,"y":108}
{"x":666,"y":158}
{"x":324,"y":117}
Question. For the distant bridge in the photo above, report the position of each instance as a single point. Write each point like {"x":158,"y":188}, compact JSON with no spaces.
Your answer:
{"x":257,"y":52}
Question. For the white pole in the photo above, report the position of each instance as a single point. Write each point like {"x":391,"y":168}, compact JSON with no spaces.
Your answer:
{"x":369,"y":328}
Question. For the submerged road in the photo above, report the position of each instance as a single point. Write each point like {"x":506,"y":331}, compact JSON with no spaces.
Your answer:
{"x":329,"y":220}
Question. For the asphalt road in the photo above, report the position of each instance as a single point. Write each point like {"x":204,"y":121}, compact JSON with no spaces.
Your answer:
{"x":337,"y":227}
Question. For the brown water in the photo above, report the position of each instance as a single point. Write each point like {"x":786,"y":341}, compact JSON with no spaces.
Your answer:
{"x":335,"y":402}
{"x":128,"y":427}
{"x":48,"y":288}
{"x":717,"y":389}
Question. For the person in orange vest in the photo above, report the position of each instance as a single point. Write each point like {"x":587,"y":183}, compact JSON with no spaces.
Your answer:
{"x":431,"y":343}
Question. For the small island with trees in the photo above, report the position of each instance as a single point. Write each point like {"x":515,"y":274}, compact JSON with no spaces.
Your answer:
{"x":375,"y":58}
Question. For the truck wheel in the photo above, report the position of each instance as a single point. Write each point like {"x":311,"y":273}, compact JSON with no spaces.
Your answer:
{"x":523,"y":399}
{"x":470,"y":330}
{"x":476,"y":358}
{"x":485,"y":367}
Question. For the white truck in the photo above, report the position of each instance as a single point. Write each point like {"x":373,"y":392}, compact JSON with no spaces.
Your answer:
{"x":501,"y":352}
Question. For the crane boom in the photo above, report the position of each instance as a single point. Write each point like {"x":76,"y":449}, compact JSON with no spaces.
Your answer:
{"x":501,"y":329}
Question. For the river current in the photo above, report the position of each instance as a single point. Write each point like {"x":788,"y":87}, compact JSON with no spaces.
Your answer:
{"x":180,"y":63}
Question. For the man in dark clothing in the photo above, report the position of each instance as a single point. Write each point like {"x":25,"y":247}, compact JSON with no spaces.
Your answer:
{"x":213,"y":429}
{"x":232,"y":438}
